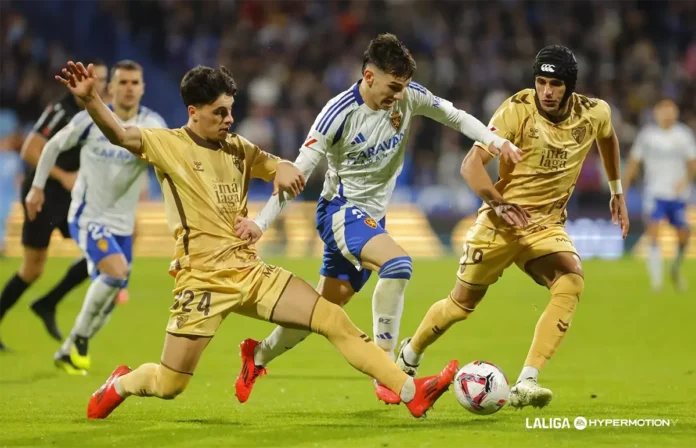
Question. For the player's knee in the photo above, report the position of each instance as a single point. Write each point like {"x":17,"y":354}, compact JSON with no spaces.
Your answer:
{"x":566,"y":290}
{"x":397,"y":267}
{"x":330,"y":320}
{"x":170,"y":384}
{"x":467,"y":297}
{"x":113,"y":281}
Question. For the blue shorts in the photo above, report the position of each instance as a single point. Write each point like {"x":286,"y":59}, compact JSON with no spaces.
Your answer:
{"x":345,"y":229}
{"x":674,"y":211}
{"x":96,"y":243}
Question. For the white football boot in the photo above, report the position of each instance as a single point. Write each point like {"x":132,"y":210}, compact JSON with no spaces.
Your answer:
{"x":528,"y":393}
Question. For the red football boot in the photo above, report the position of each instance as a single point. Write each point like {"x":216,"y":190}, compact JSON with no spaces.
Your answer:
{"x":429,"y":389}
{"x":123,"y":297}
{"x":106,"y":399}
{"x":386,"y":395}
{"x":250,"y":371}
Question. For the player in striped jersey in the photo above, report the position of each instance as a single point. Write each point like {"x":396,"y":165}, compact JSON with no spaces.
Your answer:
{"x":362,"y":133}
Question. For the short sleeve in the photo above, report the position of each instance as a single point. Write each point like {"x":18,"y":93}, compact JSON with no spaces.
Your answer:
{"x":159,"y":148}
{"x":505,"y":121}
{"x":639,"y":148}
{"x":263,"y":164}
{"x":604,"y":128}
{"x":690,"y":144}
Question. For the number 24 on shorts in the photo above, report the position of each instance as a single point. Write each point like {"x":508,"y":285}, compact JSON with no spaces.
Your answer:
{"x":188,"y":297}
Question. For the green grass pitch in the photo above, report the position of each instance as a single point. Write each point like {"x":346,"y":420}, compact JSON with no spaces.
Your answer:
{"x":629,"y":354}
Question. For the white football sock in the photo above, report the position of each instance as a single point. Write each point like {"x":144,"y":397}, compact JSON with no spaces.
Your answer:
{"x":528,"y":372}
{"x":280,"y":341}
{"x":387,"y":308}
{"x":411,"y":357}
{"x":100,"y":295}
{"x":655,"y":266}
{"x":408,"y":391}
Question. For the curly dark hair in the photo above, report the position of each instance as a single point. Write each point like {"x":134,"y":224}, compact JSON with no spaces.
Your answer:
{"x":203,"y":85}
{"x":390,"y":55}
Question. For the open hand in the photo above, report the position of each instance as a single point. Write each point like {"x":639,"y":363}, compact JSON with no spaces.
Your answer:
{"x":80,"y":80}
{"x":619,"y":213}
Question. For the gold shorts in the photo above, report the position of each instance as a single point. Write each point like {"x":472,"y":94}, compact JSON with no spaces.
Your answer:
{"x":488,"y":252}
{"x":203,"y":299}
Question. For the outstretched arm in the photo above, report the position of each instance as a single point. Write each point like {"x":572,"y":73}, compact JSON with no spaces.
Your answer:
{"x":474,"y":173}
{"x":443,"y":111}
{"x":252,"y":230}
{"x":80,"y":81}
{"x":611,"y":158}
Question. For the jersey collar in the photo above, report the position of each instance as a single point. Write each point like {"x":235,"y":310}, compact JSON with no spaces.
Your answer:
{"x":356,"y":93}
{"x":200,"y":141}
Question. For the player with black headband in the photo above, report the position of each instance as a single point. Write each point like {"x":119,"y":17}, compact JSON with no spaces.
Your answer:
{"x":523,"y":215}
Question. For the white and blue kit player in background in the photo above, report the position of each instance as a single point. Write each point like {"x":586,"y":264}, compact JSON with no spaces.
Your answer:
{"x":667,"y":151}
{"x":102,"y":212}
{"x":362,"y":134}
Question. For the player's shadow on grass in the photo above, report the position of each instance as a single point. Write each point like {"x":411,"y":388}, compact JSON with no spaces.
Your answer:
{"x":209,"y":421}
{"x":317,"y":377}
{"x":39,"y":376}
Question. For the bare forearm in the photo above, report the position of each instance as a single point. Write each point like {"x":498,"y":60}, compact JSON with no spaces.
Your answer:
{"x":611,"y":156}
{"x":105,"y":120}
{"x":125,"y":137}
{"x":474,"y":173}
{"x":691,"y":170}
{"x":631,"y":172}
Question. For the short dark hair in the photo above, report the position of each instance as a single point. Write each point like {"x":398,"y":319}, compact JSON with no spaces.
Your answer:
{"x":203,"y":85}
{"x":125,"y":64}
{"x":390,"y":55}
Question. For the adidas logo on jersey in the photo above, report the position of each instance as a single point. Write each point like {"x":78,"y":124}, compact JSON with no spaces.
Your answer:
{"x":548,"y":68}
{"x":359,"y":139}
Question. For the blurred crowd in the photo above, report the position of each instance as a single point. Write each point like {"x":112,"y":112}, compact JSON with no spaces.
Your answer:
{"x":289,"y":57}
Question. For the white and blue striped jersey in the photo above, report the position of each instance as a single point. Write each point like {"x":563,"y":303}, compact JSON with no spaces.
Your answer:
{"x":665,"y":154}
{"x":110,"y":179}
{"x":364,"y":148}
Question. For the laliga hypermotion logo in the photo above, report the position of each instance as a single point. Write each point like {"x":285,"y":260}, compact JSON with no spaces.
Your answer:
{"x":581,"y":423}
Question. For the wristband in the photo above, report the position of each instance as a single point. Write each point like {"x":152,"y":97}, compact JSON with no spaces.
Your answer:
{"x":615,"y":186}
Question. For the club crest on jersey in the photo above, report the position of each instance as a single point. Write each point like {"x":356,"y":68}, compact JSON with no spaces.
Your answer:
{"x":533,"y":133}
{"x":197,"y":166}
{"x":579,"y":133}
{"x":371,"y":223}
{"x":396,"y":120}
{"x":103,"y":245}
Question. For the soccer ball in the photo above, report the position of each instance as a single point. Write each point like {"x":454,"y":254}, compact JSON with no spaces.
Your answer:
{"x":481,"y":387}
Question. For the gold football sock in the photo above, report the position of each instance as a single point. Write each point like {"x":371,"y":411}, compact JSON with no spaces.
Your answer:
{"x":153,"y":380}
{"x":357,"y":348}
{"x":555,"y":321}
{"x":437,"y":320}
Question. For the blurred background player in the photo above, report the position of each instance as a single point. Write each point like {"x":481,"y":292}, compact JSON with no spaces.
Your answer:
{"x":102,"y":211}
{"x":206,"y":171}
{"x":667,"y":151}
{"x":36,"y":233}
{"x":523,"y":217}
{"x":362,"y":134}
